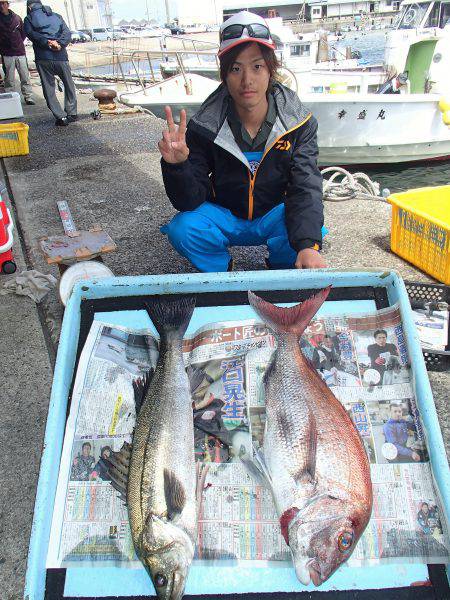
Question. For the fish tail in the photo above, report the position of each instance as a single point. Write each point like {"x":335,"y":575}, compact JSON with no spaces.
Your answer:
{"x":171,"y":314}
{"x":294,"y":319}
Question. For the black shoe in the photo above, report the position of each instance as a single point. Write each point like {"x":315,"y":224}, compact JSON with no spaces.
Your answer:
{"x":30,"y":101}
{"x":62,"y":122}
{"x":72,"y":118}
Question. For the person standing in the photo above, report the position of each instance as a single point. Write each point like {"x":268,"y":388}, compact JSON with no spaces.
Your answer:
{"x":50,"y":36}
{"x":13,"y":52}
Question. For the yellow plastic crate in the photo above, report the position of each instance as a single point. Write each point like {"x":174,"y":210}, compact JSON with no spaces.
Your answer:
{"x":14,"y":139}
{"x":420,"y":230}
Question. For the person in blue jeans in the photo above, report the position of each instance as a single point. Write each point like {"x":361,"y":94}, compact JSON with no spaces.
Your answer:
{"x":244,"y":171}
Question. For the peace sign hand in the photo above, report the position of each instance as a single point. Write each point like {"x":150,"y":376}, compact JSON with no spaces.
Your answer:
{"x":173,"y":146}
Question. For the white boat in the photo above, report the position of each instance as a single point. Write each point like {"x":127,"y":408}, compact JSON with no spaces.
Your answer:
{"x":419,"y":45}
{"x":317,"y":67}
{"x":307,"y":56}
{"x":186,"y":91}
{"x":410,"y":125}
{"x":361,"y":128}
{"x":379,"y":128}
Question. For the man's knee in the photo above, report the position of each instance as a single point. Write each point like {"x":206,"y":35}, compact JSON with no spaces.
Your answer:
{"x":184,"y":229}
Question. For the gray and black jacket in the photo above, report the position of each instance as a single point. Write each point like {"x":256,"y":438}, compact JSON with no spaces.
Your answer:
{"x":217,"y":170}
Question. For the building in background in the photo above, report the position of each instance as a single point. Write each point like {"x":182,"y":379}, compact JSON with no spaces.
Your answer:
{"x":312,"y":10}
{"x":78,"y":14}
{"x":183,"y":12}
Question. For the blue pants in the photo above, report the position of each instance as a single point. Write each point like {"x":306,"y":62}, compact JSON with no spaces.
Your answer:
{"x":204,"y":235}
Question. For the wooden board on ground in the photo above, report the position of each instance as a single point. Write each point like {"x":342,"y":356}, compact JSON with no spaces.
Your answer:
{"x":80,"y":245}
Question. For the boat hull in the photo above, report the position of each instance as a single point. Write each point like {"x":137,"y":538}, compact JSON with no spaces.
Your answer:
{"x":378,"y":128}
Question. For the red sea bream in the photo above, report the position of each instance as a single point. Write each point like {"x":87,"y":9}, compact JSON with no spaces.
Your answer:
{"x":312,"y":455}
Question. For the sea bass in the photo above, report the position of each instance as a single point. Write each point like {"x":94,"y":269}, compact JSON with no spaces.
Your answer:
{"x":160,"y":487}
{"x":312,"y":459}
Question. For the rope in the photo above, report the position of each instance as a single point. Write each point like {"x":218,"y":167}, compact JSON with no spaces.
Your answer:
{"x":356,"y":185}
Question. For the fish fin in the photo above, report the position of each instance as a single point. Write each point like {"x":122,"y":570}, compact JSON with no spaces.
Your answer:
{"x":174,"y":494}
{"x":294,"y":319}
{"x":171,"y":313}
{"x":261,"y":461}
{"x":118,"y":465}
{"x":256,"y":467}
{"x":140,"y":388}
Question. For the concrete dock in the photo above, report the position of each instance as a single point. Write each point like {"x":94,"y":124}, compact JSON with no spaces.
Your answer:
{"x":108,"y":170}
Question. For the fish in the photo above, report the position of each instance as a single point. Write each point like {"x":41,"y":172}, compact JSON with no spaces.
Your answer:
{"x":312,"y":458}
{"x":156,"y":475}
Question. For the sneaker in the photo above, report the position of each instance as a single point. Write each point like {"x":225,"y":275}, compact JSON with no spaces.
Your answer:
{"x":62,"y":122}
{"x":72,"y":118}
{"x":30,"y":101}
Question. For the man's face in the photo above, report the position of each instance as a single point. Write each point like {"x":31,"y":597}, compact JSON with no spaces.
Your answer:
{"x":396,"y":413}
{"x":327,"y":343}
{"x":248,"y":78}
{"x":86,"y":450}
{"x":425,"y":508}
{"x":381,"y":339}
{"x":4,"y":7}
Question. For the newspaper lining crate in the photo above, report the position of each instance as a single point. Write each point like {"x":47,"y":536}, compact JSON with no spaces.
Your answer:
{"x":125,"y":297}
{"x":14,"y":139}
{"x":420,"y":230}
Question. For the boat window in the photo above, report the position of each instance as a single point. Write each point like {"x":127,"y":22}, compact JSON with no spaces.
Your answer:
{"x":300,"y":50}
{"x":433,"y":17}
{"x":412,"y":15}
{"x":445,"y":15}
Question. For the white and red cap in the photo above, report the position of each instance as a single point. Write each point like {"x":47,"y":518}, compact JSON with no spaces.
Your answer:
{"x":260,"y":33}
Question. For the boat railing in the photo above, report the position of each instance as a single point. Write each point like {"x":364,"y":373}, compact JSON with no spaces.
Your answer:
{"x":135,"y":66}
{"x":176,"y":55}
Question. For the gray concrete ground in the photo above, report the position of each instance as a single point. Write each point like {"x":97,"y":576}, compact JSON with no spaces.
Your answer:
{"x":108,"y":171}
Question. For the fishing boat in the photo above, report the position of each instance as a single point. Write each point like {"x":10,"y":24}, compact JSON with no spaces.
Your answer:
{"x":187,"y":91}
{"x":308,"y":57}
{"x":407,"y":123}
{"x":380,"y":128}
{"x":419,"y":46}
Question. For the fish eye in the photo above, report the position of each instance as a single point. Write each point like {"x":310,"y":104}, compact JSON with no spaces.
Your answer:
{"x":345,"y":541}
{"x":160,"y":580}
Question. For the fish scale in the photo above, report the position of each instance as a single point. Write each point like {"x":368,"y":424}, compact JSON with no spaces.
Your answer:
{"x":161,"y":482}
{"x":317,"y":467}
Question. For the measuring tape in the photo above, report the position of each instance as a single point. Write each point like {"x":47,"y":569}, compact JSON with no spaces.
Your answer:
{"x":66,"y":217}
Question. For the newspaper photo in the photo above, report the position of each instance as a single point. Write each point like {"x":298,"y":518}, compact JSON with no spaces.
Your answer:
{"x":432,"y":327}
{"x":363,"y":360}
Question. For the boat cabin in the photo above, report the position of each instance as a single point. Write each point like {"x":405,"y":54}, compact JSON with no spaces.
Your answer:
{"x":423,"y":15}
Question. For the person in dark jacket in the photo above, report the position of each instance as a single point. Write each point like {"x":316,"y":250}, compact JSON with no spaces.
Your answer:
{"x":12,"y":50}
{"x":50,"y":36}
{"x":380,"y":352}
{"x":396,"y":431}
{"x":244,"y":171}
